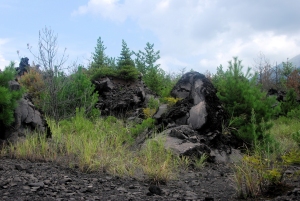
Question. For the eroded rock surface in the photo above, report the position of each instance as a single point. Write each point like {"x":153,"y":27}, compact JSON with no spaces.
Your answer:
{"x":121,"y":98}
{"x":193,"y":126}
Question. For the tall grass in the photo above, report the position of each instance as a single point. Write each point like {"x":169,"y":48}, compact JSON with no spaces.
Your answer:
{"x":99,"y":145}
{"x":265,"y":165}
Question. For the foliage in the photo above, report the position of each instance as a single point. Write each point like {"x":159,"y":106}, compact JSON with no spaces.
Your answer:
{"x":103,"y":144}
{"x":255,"y":173}
{"x":128,"y":73}
{"x":153,"y":103}
{"x":74,"y":91}
{"x":296,"y":137}
{"x":290,"y":102}
{"x":152,"y":106}
{"x":8,"y":97}
{"x":293,"y":82}
{"x":171,"y":100}
{"x":148,"y":112}
{"x":102,"y":72}
{"x":239,"y":94}
{"x":139,"y":128}
{"x":35,"y":85}
{"x":154,"y":77}
{"x":125,"y":56}
{"x":158,"y":163}
{"x":99,"y":58}
{"x":199,"y":163}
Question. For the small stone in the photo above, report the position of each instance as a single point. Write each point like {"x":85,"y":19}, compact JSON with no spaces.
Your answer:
{"x":26,"y":187}
{"x":20,"y":167}
{"x":155,"y":190}
{"x":122,"y":189}
{"x":37,"y":184}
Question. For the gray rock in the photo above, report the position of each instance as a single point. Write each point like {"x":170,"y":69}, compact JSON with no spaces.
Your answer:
{"x":198,"y":116}
{"x":161,"y":110}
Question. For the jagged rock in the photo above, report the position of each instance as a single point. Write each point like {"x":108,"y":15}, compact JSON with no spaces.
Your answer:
{"x":27,"y":120}
{"x":22,"y":66}
{"x":193,"y":126}
{"x":120,"y":97}
{"x":199,"y":105}
{"x":161,"y":110}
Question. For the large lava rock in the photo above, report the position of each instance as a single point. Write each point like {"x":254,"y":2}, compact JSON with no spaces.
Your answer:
{"x":121,"y":98}
{"x":193,"y":126}
{"x":199,"y":106}
{"x":27,"y":120}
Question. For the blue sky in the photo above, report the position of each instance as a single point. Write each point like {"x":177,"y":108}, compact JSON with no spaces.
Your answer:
{"x":195,"y":34}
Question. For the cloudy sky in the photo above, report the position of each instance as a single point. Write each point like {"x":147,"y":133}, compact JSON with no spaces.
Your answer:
{"x":191,"y":34}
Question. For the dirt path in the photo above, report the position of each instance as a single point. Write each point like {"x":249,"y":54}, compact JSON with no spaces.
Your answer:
{"x":25,"y":180}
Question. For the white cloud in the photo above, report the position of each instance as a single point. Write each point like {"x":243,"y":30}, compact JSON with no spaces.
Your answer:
{"x":210,"y":32}
{"x":3,"y":61}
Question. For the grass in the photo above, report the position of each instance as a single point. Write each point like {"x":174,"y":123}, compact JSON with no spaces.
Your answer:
{"x":265,"y":166}
{"x":98,"y":146}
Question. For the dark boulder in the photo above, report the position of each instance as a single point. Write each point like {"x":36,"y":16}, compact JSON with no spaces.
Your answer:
{"x":199,"y":106}
{"x":119,"y":97}
{"x":193,"y":126}
{"x":23,"y":66}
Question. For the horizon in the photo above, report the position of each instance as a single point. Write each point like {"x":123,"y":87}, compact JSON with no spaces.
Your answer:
{"x":198,"y":35}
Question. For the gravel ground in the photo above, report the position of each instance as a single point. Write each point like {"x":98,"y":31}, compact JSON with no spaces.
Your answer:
{"x":25,"y":180}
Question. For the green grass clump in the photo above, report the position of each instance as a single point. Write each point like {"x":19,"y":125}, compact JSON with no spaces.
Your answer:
{"x":265,"y":165}
{"x":158,"y":164}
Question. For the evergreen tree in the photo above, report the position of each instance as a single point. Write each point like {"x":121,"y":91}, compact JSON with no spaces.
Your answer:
{"x":239,"y":93}
{"x":99,"y":57}
{"x":125,"y":56}
{"x":126,"y":67}
{"x":153,"y":75}
{"x":287,"y":68}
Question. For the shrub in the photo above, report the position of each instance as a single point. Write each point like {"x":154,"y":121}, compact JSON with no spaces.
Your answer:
{"x":64,"y":94}
{"x":139,"y":128}
{"x":102,"y":72}
{"x":8,"y":97}
{"x":128,"y":73}
{"x":171,"y":101}
{"x":148,"y":112}
{"x":34,"y":83}
{"x":290,"y":102}
{"x":239,"y":93}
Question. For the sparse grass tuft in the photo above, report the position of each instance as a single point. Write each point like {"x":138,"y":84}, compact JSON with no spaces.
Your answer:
{"x":158,"y":164}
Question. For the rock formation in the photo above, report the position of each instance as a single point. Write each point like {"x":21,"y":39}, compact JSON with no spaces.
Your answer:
{"x":120,"y":97}
{"x":193,"y":126}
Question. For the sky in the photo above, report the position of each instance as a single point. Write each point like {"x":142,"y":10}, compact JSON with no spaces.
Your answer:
{"x":190,"y":34}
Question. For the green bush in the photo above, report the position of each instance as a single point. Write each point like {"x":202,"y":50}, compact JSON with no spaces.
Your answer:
{"x":128,"y":73}
{"x":8,"y":97}
{"x":139,"y":128}
{"x":239,"y":93}
{"x":290,"y":102}
{"x":66,"y":93}
{"x":102,"y":72}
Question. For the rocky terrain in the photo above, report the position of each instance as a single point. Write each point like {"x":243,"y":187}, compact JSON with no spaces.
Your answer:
{"x":193,"y":126}
{"x":25,"y":180}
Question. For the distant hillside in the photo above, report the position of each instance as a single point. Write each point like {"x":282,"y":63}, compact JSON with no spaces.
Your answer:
{"x":295,"y":60}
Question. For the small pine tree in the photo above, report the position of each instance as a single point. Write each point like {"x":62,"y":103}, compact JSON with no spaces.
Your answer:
{"x":125,"y":56}
{"x":126,"y":66}
{"x":99,"y":57}
{"x":239,"y":93}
